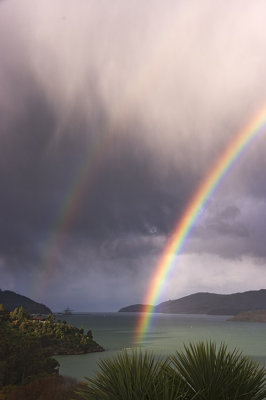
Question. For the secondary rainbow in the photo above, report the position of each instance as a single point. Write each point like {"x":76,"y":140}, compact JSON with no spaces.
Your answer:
{"x":184,"y":226}
{"x":87,"y":171}
{"x":68,"y":211}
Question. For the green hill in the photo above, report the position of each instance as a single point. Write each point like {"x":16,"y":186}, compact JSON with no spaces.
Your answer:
{"x":210,"y":303}
{"x":133,"y":308}
{"x":12,"y":300}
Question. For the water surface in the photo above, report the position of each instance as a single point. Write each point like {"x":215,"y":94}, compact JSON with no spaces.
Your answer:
{"x":168,"y":332}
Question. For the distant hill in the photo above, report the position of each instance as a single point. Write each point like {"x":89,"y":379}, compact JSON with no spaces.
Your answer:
{"x":133,"y":308}
{"x":11,"y":300}
{"x":210,"y":303}
{"x":250,"y":316}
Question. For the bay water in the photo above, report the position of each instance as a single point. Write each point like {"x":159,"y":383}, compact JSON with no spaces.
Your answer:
{"x":167,"y":333}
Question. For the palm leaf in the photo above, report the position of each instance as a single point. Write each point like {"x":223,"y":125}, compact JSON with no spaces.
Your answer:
{"x":218,"y":374}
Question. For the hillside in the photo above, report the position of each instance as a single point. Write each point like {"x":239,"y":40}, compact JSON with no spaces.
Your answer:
{"x":210,"y":303}
{"x":250,"y":316}
{"x":133,"y":308}
{"x":11,"y":300}
{"x":28,"y":343}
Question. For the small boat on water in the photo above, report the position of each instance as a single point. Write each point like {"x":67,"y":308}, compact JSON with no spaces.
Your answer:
{"x":67,"y":311}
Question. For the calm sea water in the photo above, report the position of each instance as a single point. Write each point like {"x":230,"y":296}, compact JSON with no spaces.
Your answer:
{"x":115,"y":331}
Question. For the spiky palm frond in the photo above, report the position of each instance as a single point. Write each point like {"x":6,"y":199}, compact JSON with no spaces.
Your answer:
{"x":201,"y":372}
{"x":218,"y":374}
{"x":133,"y":376}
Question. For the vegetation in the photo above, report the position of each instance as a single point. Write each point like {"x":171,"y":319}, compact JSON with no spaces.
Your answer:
{"x":250,"y":316}
{"x":218,"y":374}
{"x":209,"y":303}
{"x":136,"y":376}
{"x":22,"y":357}
{"x":26,"y":346}
{"x":48,"y":388}
{"x":55,"y":336}
{"x":201,"y":372}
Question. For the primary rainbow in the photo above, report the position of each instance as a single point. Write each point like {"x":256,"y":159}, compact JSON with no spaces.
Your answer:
{"x":184,"y":226}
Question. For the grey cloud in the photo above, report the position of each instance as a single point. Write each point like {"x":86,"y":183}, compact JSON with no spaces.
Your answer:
{"x":147,"y":96}
{"x":230,"y":212}
{"x":227,"y":222}
{"x":236,"y":237}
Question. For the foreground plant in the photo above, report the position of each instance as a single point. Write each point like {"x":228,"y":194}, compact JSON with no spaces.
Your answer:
{"x":218,"y":374}
{"x":200,"y":372}
{"x":51,"y":387}
{"x":133,"y":376}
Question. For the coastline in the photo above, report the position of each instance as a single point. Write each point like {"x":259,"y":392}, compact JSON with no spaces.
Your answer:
{"x":250,"y":316}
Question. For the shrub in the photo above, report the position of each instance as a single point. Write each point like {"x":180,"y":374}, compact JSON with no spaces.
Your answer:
{"x":218,"y":374}
{"x":48,"y":388}
{"x":136,"y":376}
{"x":200,"y":372}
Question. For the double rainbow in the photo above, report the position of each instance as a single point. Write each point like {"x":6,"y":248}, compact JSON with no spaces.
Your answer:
{"x":184,"y":226}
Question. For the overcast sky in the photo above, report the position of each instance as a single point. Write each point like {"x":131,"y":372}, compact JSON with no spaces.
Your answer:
{"x":111,"y":114}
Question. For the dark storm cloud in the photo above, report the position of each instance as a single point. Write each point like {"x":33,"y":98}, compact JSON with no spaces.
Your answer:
{"x":127,"y":194}
{"x":232,"y":231}
{"x":164,"y":92}
{"x":226,"y":221}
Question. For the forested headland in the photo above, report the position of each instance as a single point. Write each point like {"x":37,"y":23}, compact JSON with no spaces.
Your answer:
{"x":28,"y":343}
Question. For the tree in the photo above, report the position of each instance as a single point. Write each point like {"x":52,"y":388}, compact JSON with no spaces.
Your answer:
{"x":4,"y":314}
{"x":22,"y":357}
{"x":19,"y":314}
{"x":50,"y":318}
{"x":89,"y":334}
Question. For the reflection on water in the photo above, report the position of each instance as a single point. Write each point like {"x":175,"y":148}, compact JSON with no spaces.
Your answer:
{"x":168,"y":332}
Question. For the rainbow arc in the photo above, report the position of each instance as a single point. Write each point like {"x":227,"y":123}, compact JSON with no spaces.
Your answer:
{"x":184,"y":226}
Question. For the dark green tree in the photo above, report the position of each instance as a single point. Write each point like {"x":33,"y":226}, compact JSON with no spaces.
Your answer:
{"x":19,"y":314}
{"x":50,"y":318}
{"x":89,"y":334}
{"x":4,"y":314}
{"x":22,"y":358}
